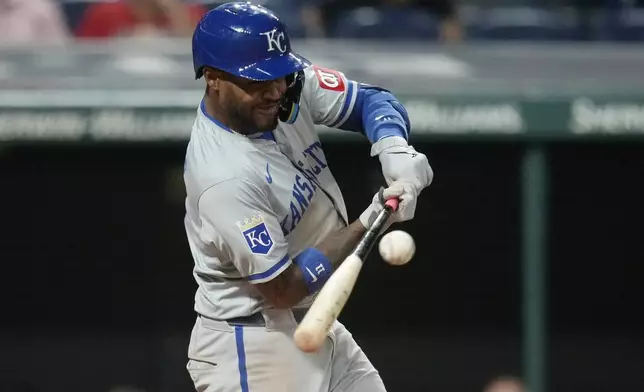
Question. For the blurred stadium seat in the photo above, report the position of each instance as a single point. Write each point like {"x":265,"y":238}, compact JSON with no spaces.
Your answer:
{"x":73,"y":11}
{"x":626,"y":25}
{"x":524,"y":23}
{"x":288,"y":11}
{"x":386,"y":23}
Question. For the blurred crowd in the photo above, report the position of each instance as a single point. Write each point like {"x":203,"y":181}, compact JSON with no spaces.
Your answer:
{"x":52,"y":21}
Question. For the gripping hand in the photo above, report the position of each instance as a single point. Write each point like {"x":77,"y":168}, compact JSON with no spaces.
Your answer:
{"x":403,"y":165}
{"x":395,"y":190}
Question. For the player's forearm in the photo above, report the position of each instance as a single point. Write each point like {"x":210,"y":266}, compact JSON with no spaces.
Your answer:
{"x":292,"y":286}
{"x":286,"y":290}
{"x":338,"y":245}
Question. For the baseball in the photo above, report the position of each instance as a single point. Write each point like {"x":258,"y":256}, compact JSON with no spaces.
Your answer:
{"x":397,"y":247}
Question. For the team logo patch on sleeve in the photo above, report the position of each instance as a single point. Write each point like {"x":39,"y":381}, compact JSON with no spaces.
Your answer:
{"x":256,"y":234}
{"x":329,"y":79}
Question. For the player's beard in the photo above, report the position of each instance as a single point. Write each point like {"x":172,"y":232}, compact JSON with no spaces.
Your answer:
{"x":265,"y":122}
{"x":248,"y":121}
{"x":271,"y":124}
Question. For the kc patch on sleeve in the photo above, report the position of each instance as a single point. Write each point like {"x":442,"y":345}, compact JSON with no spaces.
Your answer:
{"x":256,"y":234}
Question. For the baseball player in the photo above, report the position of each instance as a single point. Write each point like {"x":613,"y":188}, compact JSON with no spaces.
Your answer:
{"x":265,"y":218}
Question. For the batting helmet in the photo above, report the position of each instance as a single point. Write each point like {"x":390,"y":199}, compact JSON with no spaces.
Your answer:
{"x":246,"y":40}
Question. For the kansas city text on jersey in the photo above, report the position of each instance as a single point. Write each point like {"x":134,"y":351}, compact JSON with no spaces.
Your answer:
{"x":304,"y":186}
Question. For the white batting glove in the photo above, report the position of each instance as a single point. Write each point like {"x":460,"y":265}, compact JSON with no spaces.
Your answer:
{"x":401,"y":163}
{"x":395,"y":190}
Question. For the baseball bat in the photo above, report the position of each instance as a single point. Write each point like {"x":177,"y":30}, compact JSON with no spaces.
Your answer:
{"x":325,"y":309}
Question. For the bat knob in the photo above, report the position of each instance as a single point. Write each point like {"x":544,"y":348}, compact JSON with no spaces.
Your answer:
{"x":392,"y":203}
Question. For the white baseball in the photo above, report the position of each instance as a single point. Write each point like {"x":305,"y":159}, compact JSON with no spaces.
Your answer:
{"x":397,"y":247}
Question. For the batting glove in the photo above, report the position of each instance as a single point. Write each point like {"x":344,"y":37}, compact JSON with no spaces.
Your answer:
{"x":395,"y":190}
{"x":401,"y":163}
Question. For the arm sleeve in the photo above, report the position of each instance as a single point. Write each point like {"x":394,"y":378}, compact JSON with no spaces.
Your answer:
{"x":238,"y":219}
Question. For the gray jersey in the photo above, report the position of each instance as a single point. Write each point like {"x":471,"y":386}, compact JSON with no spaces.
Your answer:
{"x":254,"y":203}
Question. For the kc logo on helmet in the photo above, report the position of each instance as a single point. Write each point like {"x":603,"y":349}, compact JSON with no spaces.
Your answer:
{"x":256,"y":234}
{"x":329,"y":79}
{"x":275,"y":40}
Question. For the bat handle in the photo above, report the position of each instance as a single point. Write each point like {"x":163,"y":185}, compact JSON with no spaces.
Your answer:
{"x":374,"y":231}
{"x":392,"y":203}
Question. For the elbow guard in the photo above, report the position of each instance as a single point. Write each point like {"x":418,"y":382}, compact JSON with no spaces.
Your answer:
{"x":383,"y":115}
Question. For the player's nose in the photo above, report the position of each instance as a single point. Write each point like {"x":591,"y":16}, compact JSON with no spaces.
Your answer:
{"x":276,"y":89}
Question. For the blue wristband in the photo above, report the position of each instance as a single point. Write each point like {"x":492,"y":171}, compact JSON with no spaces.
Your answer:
{"x":316,"y":268}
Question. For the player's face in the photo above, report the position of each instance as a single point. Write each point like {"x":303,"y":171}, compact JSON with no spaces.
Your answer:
{"x":254,"y":105}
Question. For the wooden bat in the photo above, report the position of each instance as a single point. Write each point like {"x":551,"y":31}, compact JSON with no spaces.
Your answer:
{"x":312,"y":331}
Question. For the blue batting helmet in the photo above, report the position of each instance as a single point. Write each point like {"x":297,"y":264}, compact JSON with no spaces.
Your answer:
{"x":246,"y":40}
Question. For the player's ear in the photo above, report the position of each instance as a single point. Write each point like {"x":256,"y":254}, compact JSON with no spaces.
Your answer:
{"x":212,"y":78}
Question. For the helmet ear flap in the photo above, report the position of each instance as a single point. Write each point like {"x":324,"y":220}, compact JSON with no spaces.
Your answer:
{"x":199,"y":73}
{"x":290,"y":103}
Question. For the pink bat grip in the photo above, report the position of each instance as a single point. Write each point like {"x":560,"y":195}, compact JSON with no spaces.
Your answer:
{"x":393,"y":203}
